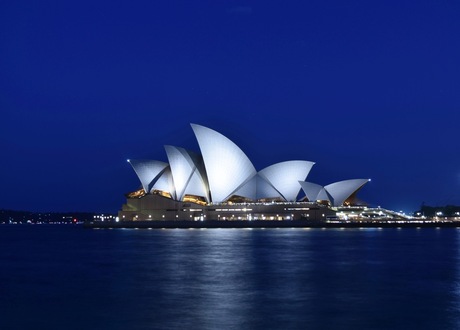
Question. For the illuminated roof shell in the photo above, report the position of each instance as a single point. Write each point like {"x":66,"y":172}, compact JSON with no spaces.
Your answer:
{"x":249,"y":189}
{"x":340,"y":191}
{"x":165,"y":182}
{"x":314,"y":192}
{"x":148,"y":171}
{"x":188,"y":173}
{"x":284,"y":177}
{"x":265,"y":189}
{"x":223,"y":170}
{"x":227,"y":167}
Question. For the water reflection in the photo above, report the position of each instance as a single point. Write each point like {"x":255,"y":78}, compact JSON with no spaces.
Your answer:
{"x":232,"y":279}
{"x":289,"y":278}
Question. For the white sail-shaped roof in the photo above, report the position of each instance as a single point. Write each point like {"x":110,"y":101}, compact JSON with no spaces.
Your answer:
{"x":227,"y":167}
{"x":266,"y":190}
{"x":165,"y":182}
{"x":340,"y":191}
{"x":284,"y":177}
{"x":258,"y":188}
{"x":223,"y":170}
{"x":323,"y":196}
{"x":249,"y":189}
{"x":186,"y":174}
{"x":148,"y":171}
{"x":312,"y":191}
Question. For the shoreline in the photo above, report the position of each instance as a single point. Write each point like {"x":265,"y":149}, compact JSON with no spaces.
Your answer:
{"x":235,"y":224}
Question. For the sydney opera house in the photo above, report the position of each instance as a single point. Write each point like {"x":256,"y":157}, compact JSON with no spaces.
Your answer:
{"x":221,"y":183}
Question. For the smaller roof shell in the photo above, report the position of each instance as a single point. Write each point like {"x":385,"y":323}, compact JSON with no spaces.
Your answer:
{"x":148,"y":171}
{"x":188,"y":173}
{"x":341,"y":190}
{"x":284,"y":177}
{"x":313,"y":191}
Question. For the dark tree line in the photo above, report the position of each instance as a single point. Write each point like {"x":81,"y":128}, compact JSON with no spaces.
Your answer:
{"x":445,"y":211}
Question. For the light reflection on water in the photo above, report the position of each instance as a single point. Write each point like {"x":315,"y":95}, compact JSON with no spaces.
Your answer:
{"x":72,"y":278}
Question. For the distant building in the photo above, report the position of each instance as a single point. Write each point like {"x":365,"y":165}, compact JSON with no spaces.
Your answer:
{"x":221,"y":183}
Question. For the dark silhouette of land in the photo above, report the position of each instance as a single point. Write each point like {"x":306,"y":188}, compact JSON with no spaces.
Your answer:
{"x":438,"y":211}
{"x":426,"y":216}
{"x":24,"y":217}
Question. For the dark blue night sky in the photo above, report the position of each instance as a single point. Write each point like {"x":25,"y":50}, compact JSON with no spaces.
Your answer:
{"x":366,"y":89}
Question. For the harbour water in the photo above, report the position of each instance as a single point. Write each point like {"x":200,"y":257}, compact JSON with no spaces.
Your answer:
{"x":68,"y":277}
